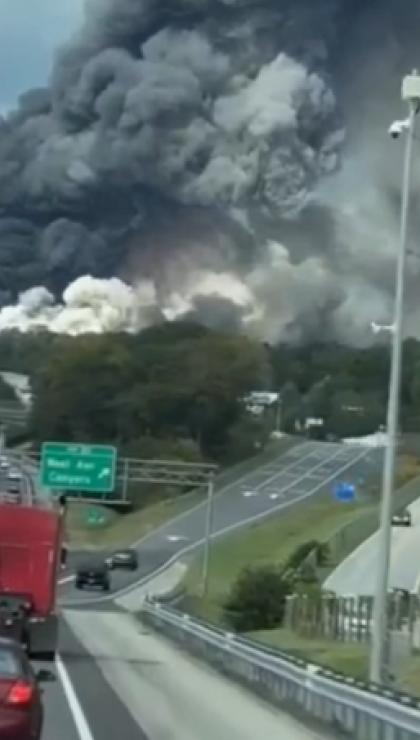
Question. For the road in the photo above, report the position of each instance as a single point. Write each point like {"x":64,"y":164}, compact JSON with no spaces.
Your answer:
{"x":113,"y":679}
{"x":304,"y":471}
{"x":356,"y":575}
{"x":136,"y":686}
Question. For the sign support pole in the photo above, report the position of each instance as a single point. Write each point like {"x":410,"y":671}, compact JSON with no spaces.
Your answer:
{"x":208,"y":533}
{"x":125,"y":480}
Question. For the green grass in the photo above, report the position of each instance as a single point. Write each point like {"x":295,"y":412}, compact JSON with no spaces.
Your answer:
{"x":344,"y":657}
{"x":409,"y":676}
{"x":123,"y":529}
{"x":269,"y":542}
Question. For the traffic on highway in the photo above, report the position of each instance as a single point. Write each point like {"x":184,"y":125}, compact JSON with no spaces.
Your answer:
{"x":301,"y":473}
{"x":210,"y":370}
{"x":103,"y":651}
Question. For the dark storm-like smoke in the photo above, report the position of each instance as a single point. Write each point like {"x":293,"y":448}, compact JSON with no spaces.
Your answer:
{"x":230,"y":155}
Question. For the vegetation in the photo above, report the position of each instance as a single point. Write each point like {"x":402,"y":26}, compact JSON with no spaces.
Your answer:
{"x":182,"y":384}
{"x":257,"y":600}
{"x":343,"y":657}
{"x":114,"y":530}
{"x":8,"y":394}
{"x":279,"y":542}
{"x":175,"y":388}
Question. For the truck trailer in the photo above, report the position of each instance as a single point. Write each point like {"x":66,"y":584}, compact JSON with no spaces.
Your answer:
{"x":30,"y":560}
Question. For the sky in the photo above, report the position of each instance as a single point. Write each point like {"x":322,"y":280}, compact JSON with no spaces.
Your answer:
{"x":30,"y":31}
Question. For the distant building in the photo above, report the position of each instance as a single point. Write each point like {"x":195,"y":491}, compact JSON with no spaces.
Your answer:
{"x":257,"y":402}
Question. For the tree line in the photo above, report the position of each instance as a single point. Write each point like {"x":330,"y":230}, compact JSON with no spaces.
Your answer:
{"x":180,"y":387}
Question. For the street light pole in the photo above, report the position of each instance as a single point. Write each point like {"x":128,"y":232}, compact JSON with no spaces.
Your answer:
{"x":278,"y":413}
{"x":411,"y":93}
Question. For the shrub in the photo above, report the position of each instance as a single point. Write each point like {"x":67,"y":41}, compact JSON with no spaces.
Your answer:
{"x":297,"y":557}
{"x":257,"y":600}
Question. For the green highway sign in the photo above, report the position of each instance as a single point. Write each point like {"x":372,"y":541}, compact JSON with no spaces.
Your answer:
{"x":78,"y":467}
{"x":95,"y":518}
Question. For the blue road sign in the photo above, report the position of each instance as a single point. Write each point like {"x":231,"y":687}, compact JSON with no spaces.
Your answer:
{"x":345,"y":492}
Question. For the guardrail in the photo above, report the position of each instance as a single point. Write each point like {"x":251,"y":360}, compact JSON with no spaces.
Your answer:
{"x":351,"y":708}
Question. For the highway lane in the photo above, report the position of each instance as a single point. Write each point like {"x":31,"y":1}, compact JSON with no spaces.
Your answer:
{"x":166,"y":694}
{"x":299,"y":474}
{"x":356,"y":576}
{"x":59,"y":722}
{"x":81,"y":704}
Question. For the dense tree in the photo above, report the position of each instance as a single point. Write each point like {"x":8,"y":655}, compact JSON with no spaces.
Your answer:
{"x":180,"y":381}
{"x":167,"y":384}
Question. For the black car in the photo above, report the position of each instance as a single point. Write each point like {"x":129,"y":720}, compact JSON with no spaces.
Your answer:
{"x":123,"y":559}
{"x":402,"y":520}
{"x":13,"y":487}
{"x":15,"y":610}
{"x":95,"y":575}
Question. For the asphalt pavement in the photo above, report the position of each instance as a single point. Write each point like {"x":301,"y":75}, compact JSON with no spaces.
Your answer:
{"x":135,"y":685}
{"x":304,"y":471}
{"x":356,"y":575}
{"x":80,"y":704}
{"x":113,"y":679}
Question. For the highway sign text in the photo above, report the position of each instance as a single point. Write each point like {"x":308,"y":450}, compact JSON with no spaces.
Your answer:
{"x":78,"y":467}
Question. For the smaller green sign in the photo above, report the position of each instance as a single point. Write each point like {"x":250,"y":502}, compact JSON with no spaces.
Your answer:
{"x":78,"y":467}
{"x":95,"y":518}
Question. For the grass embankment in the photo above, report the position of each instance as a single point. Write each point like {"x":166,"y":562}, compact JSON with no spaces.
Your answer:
{"x":342,"y":657}
{"x":269,"y":542}
{"x":409,"y":677}
{"x":124,"y":529}
{"x":272,"y":542}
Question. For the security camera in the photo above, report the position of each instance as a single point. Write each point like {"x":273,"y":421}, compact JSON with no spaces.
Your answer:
{"x":398,"y":127}
{"x":380,"y":328}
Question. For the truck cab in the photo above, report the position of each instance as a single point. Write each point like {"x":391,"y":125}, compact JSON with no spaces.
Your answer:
{"x":30,"y":559}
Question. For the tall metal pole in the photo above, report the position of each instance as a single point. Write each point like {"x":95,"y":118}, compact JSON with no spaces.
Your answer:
{"x":125,"y":480}
{"x":380,"y":614}
{"x":278,"y":413}
{"x":208,"y":533}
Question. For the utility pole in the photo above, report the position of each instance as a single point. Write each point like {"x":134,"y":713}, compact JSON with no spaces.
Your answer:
{"x":278,"y":413}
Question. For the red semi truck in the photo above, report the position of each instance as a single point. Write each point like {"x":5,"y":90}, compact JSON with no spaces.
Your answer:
{"x":30,"y":558}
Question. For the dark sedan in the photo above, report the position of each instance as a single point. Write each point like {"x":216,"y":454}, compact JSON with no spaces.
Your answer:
{"x":402,"y":520}
{"x":123,"y":559}
{"x":21,"y":711}
{"x":93,"y":575}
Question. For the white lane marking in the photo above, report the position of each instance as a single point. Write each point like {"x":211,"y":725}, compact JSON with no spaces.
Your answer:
{"x":248,"y":494}
{"x":219,"y":533}
{"x":82,"y":727}
{"x":297,"y":452}
{"x":176,"y":537}
{"x":66,"y":579}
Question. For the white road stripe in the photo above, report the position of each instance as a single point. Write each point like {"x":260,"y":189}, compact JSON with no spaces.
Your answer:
{"x":66,"y":579}
{"x":223,"y":490}
{"x":83,"y":729}
{"x":216,"y":535}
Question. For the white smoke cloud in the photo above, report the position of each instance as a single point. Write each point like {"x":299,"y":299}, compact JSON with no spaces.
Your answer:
{"x":268,"y":103}
{"x":273,"y":300}
{"x":90,"y":305}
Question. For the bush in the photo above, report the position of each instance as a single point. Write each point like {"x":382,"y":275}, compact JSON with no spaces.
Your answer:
{"x":300,"y":554}
{"x":257,"y":600}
